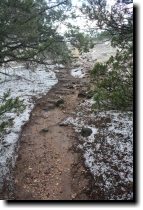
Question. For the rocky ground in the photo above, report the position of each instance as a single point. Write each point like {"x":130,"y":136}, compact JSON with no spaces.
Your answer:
{"x":69,"y":152}
{"x":49,"y":165}
{"x":105,"y":140}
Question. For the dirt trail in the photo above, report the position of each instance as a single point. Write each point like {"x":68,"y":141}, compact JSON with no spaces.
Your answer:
{"x":49,"y":167}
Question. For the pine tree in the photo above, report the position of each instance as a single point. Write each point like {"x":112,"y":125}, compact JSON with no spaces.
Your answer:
{"x":28,"y":32}
{"x":8,"y":104}
{"x":113,"y":79}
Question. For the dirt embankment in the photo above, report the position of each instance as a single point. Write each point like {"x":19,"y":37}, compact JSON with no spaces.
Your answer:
{"x":49,"y":166}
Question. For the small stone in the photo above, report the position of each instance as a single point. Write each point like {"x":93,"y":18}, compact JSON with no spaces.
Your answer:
{"x":16,"y":181}
{"x":70,"y":87}
{"x":85,"y":132}
{"x":73,"y":82}
{"x":59,"y":102}
{"x":62,"y":124}
{"x":47,"y":171}
{"x":46,"y":109}
{"x":82,"y":94}
{"x":73,"y":195}
{"x":45,"y":130}
{"x":30,"y":168}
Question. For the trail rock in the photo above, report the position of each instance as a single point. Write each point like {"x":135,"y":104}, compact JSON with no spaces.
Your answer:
{"x":69,"y":86}
{"x":46,"y":109}
{"x":74,"y":195}
{"x":45,"y":130}
{"x":82,"y":94}
{"x":85,"y":132}
{"x":63,"y":124}
{"x":59,"y":102}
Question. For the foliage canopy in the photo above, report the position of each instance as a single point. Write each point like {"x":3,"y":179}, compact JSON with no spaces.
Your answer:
{"x":29,"y":33}
{"x":28,"y":30}
{"x":114,"y":78}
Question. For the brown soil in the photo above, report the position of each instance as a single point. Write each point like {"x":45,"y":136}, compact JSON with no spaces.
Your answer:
{"x":49,"y":167}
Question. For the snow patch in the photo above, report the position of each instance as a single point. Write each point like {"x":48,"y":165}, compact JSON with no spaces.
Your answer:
{"x":108,"y":151}
{"x":23,"y":83}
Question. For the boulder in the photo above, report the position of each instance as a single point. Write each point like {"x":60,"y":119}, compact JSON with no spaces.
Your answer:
{"x":85,"y":132}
